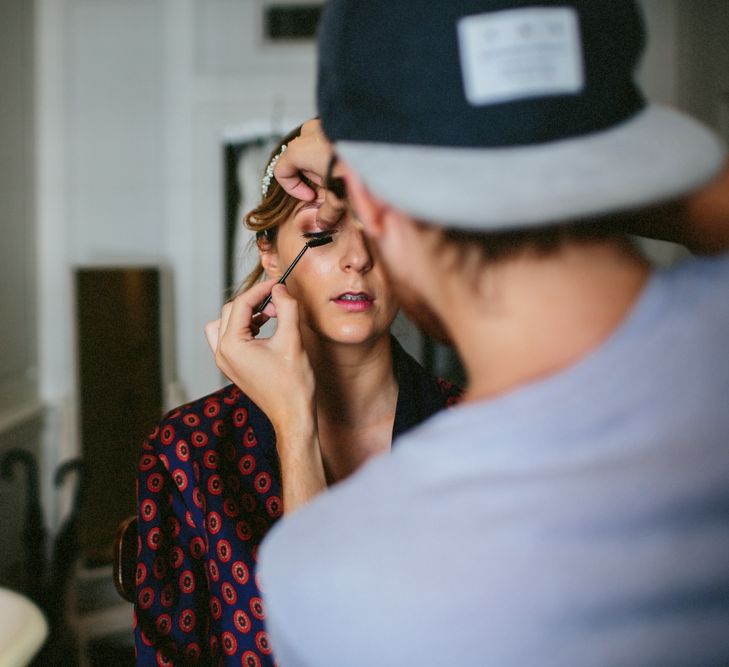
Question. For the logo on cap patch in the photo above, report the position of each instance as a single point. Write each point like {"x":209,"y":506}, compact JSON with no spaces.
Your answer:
{"x":520,"y":53}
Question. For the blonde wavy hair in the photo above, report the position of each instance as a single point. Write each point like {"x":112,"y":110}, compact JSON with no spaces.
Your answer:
{"x":275,"y":208}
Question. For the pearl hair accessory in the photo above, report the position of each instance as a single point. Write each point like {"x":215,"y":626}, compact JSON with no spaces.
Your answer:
{"x":268,"y":174}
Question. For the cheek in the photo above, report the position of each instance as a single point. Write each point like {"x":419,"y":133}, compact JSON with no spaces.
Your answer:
{"x":312,"y":273}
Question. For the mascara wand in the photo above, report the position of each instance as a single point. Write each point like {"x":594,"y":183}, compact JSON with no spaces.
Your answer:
{"x":313,"y":243}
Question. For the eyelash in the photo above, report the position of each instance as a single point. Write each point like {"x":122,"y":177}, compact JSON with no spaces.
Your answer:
{"x":319,"y":235}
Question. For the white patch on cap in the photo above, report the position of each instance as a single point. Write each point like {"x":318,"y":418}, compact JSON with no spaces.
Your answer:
{"x":517,"y":53}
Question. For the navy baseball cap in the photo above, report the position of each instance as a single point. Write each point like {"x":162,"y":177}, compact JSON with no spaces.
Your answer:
{"x":496,"y":114}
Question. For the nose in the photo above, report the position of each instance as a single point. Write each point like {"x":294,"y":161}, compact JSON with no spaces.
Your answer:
{"x":356,"y":255}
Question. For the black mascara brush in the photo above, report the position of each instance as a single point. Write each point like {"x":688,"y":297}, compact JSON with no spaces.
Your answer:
{"x":313,"y":243}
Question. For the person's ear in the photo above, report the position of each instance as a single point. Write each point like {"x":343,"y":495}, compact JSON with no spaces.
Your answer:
{"x":270,"y":260}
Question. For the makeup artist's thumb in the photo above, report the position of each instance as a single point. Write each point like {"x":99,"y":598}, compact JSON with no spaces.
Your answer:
{"x":212,"y":334}
{"x":287,"y":311}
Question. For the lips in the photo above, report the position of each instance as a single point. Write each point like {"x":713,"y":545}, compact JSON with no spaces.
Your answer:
{"x":354,"y":296}
{"x":354,"y":301}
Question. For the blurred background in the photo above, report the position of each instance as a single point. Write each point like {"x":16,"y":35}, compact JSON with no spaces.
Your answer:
{"x":132,"y":136}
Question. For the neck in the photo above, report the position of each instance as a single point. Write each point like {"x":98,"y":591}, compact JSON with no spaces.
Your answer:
{"x":355,"y":383}
{"x":356,"y":398}
{"x":532,"y":316}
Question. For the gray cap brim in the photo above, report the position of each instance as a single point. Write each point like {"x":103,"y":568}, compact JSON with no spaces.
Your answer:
{"x":657,"y":155}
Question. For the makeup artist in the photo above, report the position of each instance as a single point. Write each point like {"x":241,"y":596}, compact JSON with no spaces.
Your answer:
{"x":574,"y":509}
{"x":214,"y":476}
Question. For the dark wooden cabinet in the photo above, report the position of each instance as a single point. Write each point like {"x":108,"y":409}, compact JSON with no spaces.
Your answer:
{"x":118,"y":313}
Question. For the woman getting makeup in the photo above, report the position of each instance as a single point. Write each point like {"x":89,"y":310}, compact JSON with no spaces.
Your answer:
{"x":213,"y":477}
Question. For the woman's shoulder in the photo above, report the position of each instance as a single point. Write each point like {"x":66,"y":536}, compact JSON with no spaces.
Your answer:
{"x":220,"y":403}
{"x":208,"y":419}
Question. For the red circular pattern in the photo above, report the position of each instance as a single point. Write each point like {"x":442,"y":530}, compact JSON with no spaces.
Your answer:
{"x":243,"y":530}
{"x":211,"y":460}
{"x":155,"y":482}
{"x":257,"y":608}
{"x":193,"y":651}
{"x":187,"y":620}
{"x":215,"y":485}
{"x":249,"y":437}
{"x":274,"y":507}
{"x":240,"y":417}
{"x":199,"y":439}
{"x":154,"y":537}
{"x":247,"y":464}
{"x":224,"y":551}
{"x":230,"y":507}
{"x":147,"y":462}
{"x":191,"y":420}
{"x":262,"y":642}
{"x":197,"y":548}
{"x":163,"y":660}
{"x":211,"y":409}
{"x":229,"y":594}
{"x":167,"y":435}
{"x":229,"y":643}
{"x":250,"y":659}
{"x":240,"y":572}
{"x":262,"y":482}
{"x":167,"y":597}
{"x":216,"y":608}
{"x":213,"y":522}
{"x":218,"y":428}
{"x":241,"y":621}
{"x":146,"y":597}
{"x":177,"y":557}
{"x":164,"y":624}
{"x":182,"y":449}
{"x":187,"y":582}
{"x":180,"y":478}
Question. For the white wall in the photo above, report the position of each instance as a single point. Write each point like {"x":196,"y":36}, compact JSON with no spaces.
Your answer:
{"x":18,"y":354}
{"x":134,"y":99}
{"x":21,"y":415}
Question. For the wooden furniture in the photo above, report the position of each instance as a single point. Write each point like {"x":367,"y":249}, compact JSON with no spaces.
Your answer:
{"x":125,"y":558}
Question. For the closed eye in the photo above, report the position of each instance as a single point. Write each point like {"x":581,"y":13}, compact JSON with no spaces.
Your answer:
{"x":320,"y":235}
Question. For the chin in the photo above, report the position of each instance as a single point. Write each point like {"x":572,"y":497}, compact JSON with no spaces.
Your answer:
{"x":353,"y":335}
{"x":350,"y":333}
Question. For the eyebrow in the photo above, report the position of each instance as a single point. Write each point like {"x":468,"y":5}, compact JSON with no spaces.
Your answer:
{"x":335,"y":184}
{"x":316,"y":203}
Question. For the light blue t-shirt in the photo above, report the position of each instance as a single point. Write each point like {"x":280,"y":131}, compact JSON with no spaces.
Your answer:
{"x":579,"y":520}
